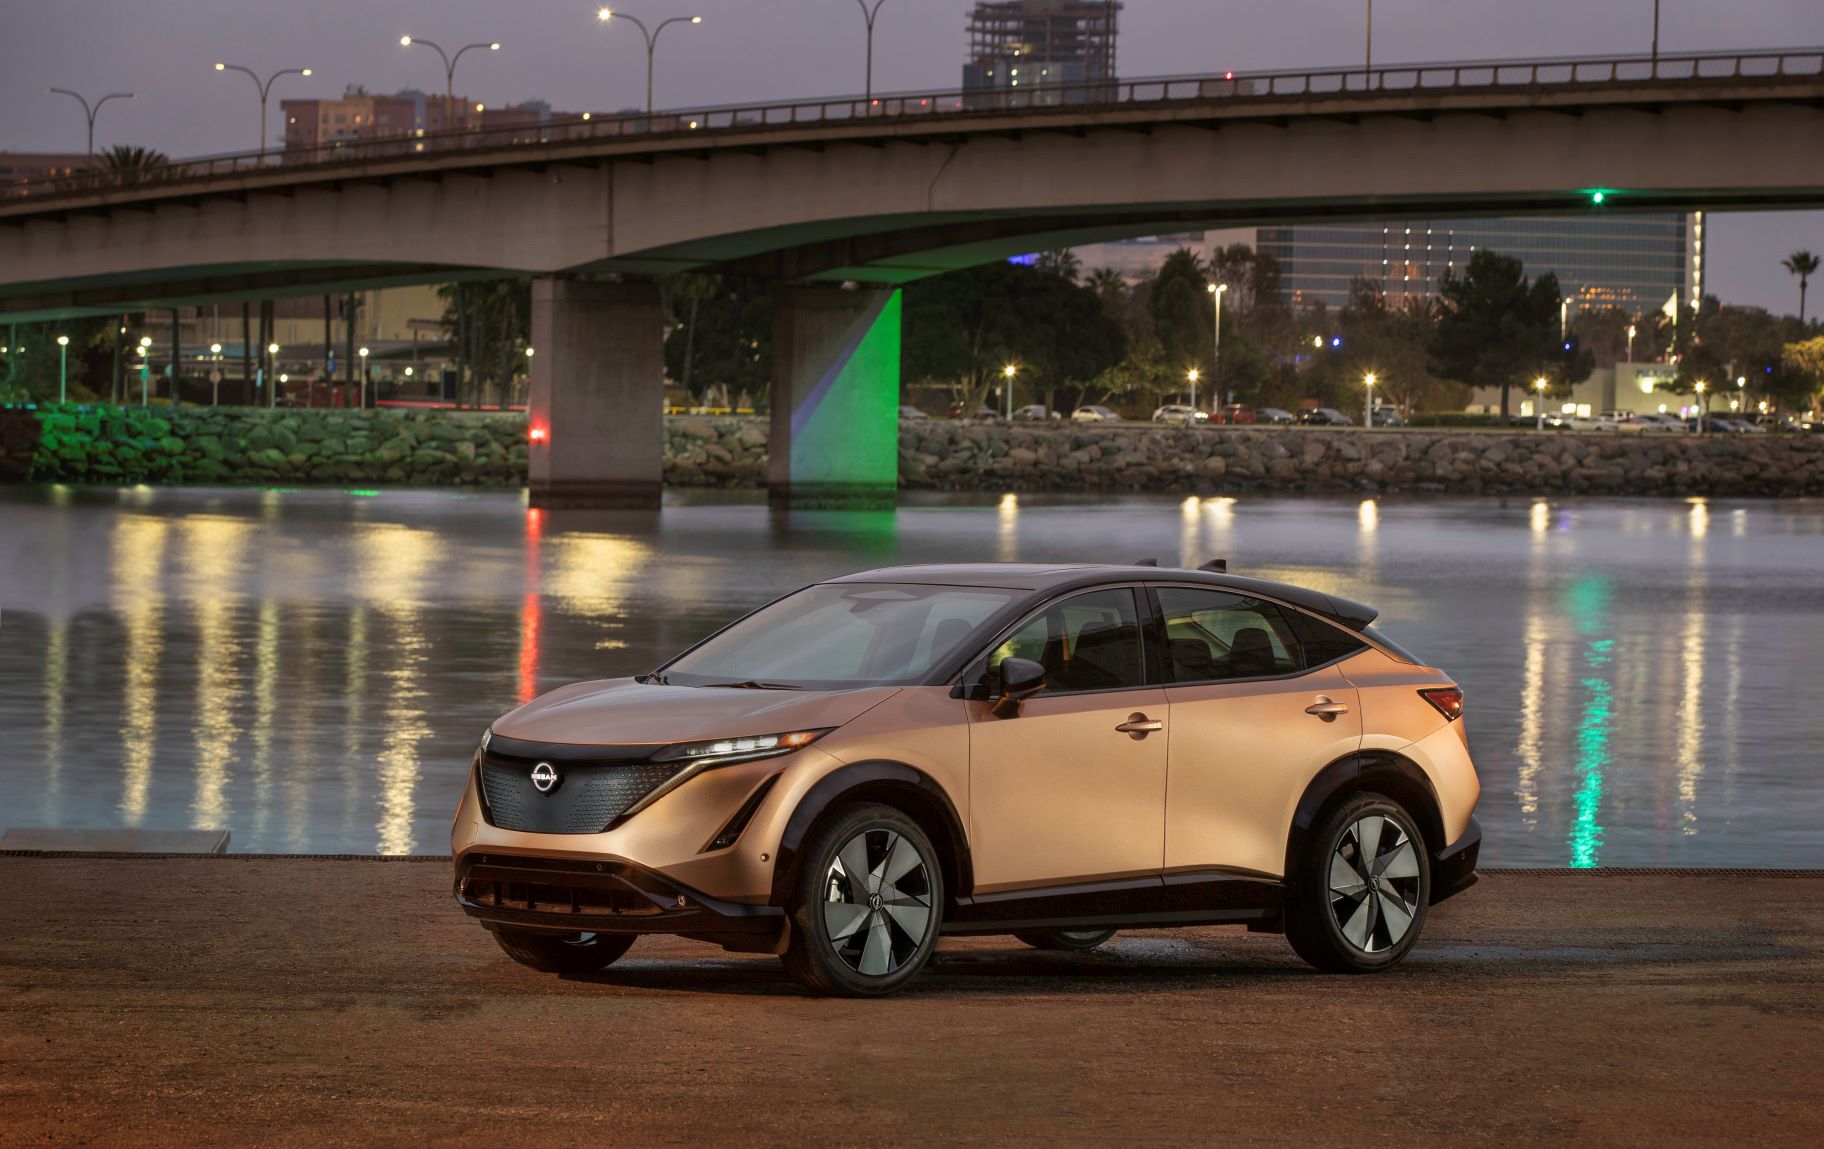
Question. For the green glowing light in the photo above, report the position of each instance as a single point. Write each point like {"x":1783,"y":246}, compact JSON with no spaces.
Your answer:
{"x":851,"y":438}
{"x":363,"y":494}
{"x":1588,"y":602}
{"x":1598,"y":197}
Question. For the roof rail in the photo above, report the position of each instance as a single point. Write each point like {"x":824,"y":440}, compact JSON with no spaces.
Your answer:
{"x":1146,"y":562}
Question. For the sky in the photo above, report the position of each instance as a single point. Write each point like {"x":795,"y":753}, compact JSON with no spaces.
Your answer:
{"x":746,"y":51}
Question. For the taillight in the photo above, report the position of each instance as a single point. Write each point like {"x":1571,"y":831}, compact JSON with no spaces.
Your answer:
{"x":1447,"y":699}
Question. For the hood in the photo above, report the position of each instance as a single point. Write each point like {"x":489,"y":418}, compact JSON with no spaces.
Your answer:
{"x":621,"y":711}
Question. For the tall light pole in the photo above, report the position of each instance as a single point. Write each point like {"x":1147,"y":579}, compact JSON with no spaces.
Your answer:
{"x":1368,"y":412}
{"x":1630,"y":343}
{"x":1007,"y":374}
{"x":1216,"y":291}
{"x":272,"y":383}
{"x":362,"y":400}
{"x":870,"y":14}
{"x":1193,"y":375}
{"x":604,"y":15}
{"x":1539,"y":404}
{"x":449,"y":70}
{"x":1368,"y":59}
{"x":63,"y":369}
{"x":89,"y":113}
{"x":1655,"y":36}
{"x":265,"y":87}
{"x":145,"y":368}
{"x":1701,"y":409}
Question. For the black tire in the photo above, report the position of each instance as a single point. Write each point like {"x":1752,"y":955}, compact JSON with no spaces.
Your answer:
{"x":1076,"y":941}
{"x":563,"y":953}
{"x":841,"y":928}
{"x":1333,"y":926}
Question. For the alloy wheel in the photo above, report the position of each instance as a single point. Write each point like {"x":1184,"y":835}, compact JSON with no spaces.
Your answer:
{"x":1374,"y":883}
{"x":877,"y":902}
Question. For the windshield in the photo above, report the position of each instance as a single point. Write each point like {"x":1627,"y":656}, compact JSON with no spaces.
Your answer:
{"x":836,"y":636}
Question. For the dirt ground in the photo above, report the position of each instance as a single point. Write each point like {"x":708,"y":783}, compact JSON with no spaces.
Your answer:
{"x":240,"y":1001}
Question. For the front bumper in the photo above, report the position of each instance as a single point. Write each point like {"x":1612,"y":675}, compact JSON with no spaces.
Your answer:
{"x":1453,"y":869}
{"x":609,"y":895}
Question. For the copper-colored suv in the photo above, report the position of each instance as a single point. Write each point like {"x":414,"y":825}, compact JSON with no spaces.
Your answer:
{"x":1055,"y":752}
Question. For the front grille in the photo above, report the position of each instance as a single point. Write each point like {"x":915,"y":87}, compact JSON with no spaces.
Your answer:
{"x":590,"y":794}
{"x":546,"y":898}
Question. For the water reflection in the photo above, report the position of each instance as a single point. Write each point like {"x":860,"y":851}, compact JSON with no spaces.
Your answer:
{"x":312,"y":669}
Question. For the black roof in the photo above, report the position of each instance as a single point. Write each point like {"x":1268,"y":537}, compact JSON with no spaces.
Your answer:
{"x":1053,"y":577}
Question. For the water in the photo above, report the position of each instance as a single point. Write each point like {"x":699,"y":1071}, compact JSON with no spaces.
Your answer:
{"x":311,"y":669}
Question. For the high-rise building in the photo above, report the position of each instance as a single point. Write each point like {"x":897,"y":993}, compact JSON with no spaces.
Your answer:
{"x":1021,"y":45}
{"x":406,"y":116}
{"x":30,"y":167}
{"x":1634,"y":262}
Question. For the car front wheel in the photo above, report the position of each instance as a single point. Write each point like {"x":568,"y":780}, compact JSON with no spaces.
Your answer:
{"x":563,"y":953}
{"x":866,"y":905}
{"x":1361,"y":890}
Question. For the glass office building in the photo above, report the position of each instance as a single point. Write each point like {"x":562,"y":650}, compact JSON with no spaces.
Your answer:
{"x":1634,"y":262}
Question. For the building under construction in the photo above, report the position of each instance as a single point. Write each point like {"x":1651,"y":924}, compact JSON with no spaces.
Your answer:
{"x":1028,"y":44}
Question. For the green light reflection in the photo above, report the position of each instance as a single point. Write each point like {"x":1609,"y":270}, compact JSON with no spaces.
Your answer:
{"x":1588,"y":602}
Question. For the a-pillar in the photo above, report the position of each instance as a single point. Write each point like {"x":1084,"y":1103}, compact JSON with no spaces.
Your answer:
{"x":595,"y":418}
{"x":835,"y":425}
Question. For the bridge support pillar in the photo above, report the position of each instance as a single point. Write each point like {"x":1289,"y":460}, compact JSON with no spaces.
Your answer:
{"x":835,"y":421}
{"x":595,"y":416}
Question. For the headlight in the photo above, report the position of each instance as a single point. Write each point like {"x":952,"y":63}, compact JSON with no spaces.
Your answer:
{"x":718,"y":751}
{"x":485,"y":736}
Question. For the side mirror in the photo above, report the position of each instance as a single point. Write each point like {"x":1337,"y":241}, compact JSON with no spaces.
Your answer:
{"x":1021,"y":678}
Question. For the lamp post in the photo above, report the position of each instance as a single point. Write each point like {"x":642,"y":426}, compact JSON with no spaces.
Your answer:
{"x":145,"y":368}
{"x":265,"y":87}
{"x":1702,"y":410}
{"x":1741,"y":391}
{"x":1368,"y":58}
{"x":1368,"y":413}
{"x":1193,"y":375}
{"x":63,"y":369}
{"x":361,"y":401}
{"x":1655,"y":38}
{"x":604,"y":15}
{"x":272,"y":361}
{"x":1539,"y":404}
{"x":449,"y":70}
{"x":89,"y":113}
{"x":1630,"y":343}
{"x":1007,"y":374}
{"x":870,"y":14}
{"x":1216,"y":291}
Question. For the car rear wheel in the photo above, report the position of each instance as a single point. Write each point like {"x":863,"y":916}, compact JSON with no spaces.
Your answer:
{"x":1079,"y":941}
{"x":1361,"y":890}
{"x":866,"y":904}
{"x":563,"y":953}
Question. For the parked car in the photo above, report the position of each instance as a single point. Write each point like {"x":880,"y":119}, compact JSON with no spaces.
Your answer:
{"x":1035,"y":413}
{"x":1277,"y":415}
{"x":1094,"y":414}
{"x":1647,"y":422}
{"x":1236,"y":413}
{"x":907,"y":411}
{"x":1591,"y":423}
{"x":1324,"y":417}
{"x":1180,"y":413}
{"x":1779,"y":423}
{"x":843,"y":774}
{"x":1554,"y":421}
{"x":983,"y":412}
{"x":1388,"y":417}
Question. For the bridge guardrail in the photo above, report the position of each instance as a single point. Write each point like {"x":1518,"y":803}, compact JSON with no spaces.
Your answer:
{"x":1392,"y":80}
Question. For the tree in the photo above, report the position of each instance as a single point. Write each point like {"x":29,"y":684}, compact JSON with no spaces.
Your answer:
{"x":490,"y":322}
{"x":721,"y":336}
{"x":1804,"y":363}
{"x":127,"y":164}
{"x":1497,"y":329}
{"x":1062,"y":263}
{"x":1802,"y":264}
{"x":1181,"y":311}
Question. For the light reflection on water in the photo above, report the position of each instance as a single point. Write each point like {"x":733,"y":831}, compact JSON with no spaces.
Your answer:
{"x":311,"y":669}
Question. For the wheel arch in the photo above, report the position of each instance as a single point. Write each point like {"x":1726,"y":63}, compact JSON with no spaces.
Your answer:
{"x":1371,"y":772}
{"x":905,"y":788}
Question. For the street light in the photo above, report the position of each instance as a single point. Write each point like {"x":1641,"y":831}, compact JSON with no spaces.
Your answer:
{"x":1701,"y":409}
{"x":1368,"y":59}
{"x":145,"y":368}
{"x":265,"y":87}
{"x":1215,"y":290}
{"x":1656,"y":39}
{"x":870,"y":14}
{"x":1539,"y":404}
{"x":1193,"y":375}
{"x":90,"y":113}
{"x":449,"y":70}
{"x":604,"y":15}
{"x":361,"y":401}
{"x":1007,"y":373}
{"x":63,"y":369}
{"x":1368,"y":414}
{"x":1630,"y":343}
{"x":1741,"y":390}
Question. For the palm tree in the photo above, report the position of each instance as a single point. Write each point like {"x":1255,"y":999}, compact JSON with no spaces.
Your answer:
{"x":1062,"y":263}
{"x":1801,"y":264}
{"x":127,"y":164}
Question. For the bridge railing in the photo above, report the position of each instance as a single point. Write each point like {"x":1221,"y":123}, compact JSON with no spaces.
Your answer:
{"x":1394,"y":80}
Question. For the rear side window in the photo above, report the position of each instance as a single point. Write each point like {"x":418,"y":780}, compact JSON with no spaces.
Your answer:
{"x":1216,"y":636}
{"x":1325,"y":642}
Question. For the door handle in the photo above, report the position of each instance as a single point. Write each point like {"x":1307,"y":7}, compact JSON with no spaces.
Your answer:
{"x":1138,"y":726}
{"x":1326,"y":709}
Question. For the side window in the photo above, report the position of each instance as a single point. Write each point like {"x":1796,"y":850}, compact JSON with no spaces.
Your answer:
{"x":1086,"y":642}
{"x":1326,"y":643}
{"x":1214,"y":636}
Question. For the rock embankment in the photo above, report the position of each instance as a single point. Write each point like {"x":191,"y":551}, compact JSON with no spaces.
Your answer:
{"x":460,"y":448}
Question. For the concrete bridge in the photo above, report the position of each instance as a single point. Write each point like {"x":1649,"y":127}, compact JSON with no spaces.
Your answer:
{"x":830,"y":193}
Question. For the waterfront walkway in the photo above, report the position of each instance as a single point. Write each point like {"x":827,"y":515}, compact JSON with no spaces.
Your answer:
{"x":238,"y":1000}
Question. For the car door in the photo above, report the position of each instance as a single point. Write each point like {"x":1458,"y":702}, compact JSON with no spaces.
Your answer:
{"x":1258,"y":708}
{"x":1072,"y":790}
